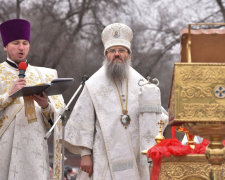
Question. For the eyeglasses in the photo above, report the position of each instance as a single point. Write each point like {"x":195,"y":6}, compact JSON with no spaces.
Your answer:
{"x":120,"y":51}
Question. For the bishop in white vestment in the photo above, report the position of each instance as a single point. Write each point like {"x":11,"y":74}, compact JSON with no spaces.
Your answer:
{"x":112,"y":121}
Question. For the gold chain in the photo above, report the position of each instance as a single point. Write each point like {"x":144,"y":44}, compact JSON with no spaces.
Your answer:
{"x":124,"y":111}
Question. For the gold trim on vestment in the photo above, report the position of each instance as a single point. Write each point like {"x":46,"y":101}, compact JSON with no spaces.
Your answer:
{"x":30,"y":112}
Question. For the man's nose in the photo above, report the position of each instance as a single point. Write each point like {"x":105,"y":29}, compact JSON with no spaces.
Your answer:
{"x":20,"y":46}
{"x":117,"y":53}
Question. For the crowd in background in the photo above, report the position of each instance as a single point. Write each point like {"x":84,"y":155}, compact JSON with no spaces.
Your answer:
{"x":70,"y":173}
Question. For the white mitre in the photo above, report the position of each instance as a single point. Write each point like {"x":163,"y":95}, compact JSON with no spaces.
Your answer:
{"x":117,"y":34}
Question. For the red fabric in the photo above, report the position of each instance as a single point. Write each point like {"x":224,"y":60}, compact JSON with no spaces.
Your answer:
{"x":173,"y":131}
{"x":170,"y":147}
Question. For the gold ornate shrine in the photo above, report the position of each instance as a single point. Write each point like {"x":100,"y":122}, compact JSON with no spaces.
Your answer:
{"x":198,"y":94}
{"x":197,"y":99}
{"x":190,"y":167}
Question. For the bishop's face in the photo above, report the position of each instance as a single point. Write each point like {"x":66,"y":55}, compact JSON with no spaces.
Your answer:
{"x":117,"y":54}
{"x":17,"y":50}
{"x":117,"y":62}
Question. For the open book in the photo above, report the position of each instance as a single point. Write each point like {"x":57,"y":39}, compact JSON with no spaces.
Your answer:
{"x":57,"y":86}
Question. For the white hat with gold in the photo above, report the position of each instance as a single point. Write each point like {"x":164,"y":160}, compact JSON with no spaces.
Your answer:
{"x":117,"y":34}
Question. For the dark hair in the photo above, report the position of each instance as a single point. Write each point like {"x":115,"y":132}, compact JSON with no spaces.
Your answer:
{"x":51,"y":165}
{"x":68,"y":169}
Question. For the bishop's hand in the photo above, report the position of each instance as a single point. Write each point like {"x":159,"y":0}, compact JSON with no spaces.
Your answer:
{"x":87,"y":164}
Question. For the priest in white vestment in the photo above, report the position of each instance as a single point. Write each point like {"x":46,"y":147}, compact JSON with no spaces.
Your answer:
{"x":112,"y":122}
{"x":25,"y":120}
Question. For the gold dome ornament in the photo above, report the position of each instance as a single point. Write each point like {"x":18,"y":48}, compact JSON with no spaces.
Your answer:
{"x":160,"y":136}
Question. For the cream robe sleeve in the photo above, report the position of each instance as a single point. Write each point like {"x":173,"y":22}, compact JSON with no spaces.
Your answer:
{"x":150,"y":113}
{"x":79,"y":130}
{"x":5,"y":100}
{"x":48,"y":115}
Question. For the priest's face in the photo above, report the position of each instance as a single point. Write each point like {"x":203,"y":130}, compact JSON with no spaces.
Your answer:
{"x":117,"y":62}
{"x":17,"y":50}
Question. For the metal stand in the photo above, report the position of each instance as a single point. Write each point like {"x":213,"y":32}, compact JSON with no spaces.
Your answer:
{"x":64,"y":120}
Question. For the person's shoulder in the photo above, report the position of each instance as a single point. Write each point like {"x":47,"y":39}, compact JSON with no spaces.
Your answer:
{"x":135,"y":73}
{"x":135,"y":76}
{"x":44,"y":69}
{"x":48,"y":73}
{"x":2,"y":65}
{"x":100,"y":73}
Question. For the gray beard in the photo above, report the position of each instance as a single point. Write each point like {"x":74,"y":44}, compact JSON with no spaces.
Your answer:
{"x":117,"y":71}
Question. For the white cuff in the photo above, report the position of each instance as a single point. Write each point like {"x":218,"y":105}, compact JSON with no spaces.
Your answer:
{"x":85,"y":151}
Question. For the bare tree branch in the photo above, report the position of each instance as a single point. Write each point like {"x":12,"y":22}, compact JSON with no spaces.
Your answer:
{"x":18,"y":8}
{"x":222,"y":8}
{"x":84,"y":7}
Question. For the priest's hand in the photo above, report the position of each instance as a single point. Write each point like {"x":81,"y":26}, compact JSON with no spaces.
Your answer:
{"x":20,"y":83}
{"x":86,"y":164}
{"x":42,"y":100}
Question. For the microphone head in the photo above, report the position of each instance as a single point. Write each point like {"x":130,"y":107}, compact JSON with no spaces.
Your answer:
{"x":22,"y":66}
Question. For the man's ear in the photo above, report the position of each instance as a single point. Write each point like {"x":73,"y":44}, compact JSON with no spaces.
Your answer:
{"x":130,"y":56}
{"x":5,"y":48}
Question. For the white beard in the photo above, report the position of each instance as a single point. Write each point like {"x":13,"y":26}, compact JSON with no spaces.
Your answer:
{"x":117,"y":71}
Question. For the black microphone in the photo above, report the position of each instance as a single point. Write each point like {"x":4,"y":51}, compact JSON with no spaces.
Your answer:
{"x":22,"y":68}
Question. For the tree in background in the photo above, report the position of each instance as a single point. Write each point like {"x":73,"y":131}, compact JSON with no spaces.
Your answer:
{"x":66,"y":34}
